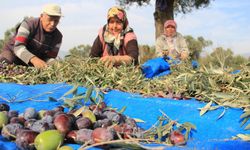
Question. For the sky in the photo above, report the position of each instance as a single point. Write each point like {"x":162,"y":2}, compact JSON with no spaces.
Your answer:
{"x":224,"y":22}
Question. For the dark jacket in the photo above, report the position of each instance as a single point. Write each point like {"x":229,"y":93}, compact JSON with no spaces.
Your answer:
{"x":130,"y":47}
{"x":31,"y":40}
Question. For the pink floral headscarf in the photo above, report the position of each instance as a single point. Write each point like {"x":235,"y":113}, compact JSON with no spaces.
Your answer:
{"x":119,"y":13}
{"x":170,"y":23}
{"x":114,"y":42}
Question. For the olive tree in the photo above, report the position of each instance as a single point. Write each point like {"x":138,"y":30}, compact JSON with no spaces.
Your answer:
{"x":167,"y":9}
{"x":7,"y":35}
{"x":196,"y":46}
{"x":80,"y":50}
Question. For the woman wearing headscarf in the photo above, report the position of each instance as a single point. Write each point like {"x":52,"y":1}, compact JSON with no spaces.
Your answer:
{"x":171,"y":43}
{"x":116,"y":42}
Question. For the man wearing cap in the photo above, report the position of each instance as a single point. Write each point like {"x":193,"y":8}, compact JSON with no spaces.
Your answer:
{"x":171,"y":43}
{"x":37,"y":40}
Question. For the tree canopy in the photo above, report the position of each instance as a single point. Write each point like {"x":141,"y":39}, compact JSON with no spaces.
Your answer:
{"x":196,"y":46}
{"x":7,"y":35}
{"x":166,"y":9}
{"x":80,"y":50}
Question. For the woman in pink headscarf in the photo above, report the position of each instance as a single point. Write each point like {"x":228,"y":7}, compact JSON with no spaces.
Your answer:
{"x":171,"y":43}
{"x":116,"y":42}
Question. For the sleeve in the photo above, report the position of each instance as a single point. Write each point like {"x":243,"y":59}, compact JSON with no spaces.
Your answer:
{"x":96,"y":49}
{"x":21,"y":40}
{"x":133,"y":50}
{"x":158,"y":47}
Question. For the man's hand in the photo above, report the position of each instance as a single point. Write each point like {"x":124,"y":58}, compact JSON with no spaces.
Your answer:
{"x":38,"y":63}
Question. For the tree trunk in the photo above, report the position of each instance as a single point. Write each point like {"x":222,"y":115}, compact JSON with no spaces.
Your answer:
{"x":164,"y":10}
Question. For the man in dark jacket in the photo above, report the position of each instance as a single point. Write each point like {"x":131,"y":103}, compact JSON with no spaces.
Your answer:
{"x":37,"y":40}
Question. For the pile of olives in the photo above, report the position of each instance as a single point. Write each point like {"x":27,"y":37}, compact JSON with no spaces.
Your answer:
{"x":50,"y":129}
{"x":11,"y":69}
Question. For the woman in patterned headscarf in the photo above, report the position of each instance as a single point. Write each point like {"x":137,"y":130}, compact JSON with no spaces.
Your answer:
{"x":116,"y":42}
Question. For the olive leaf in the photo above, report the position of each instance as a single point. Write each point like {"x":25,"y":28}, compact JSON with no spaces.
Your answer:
{"x":246,"y":114}
{"x":71,"y":91}
{"x":88,"y":94}
{"x":244,"y":137}
{"x":247,"y":127}
{"x":123,"y":109}
{"x":79,"y":111}
{"x":205,"y":108}
{"x":139,"y":120}
{"x":222,"y":114}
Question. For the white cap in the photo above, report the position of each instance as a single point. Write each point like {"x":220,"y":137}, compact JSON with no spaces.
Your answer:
{"x":52,"y":10}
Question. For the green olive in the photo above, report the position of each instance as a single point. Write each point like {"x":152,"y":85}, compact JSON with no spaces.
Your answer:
{"x":41,"y":114}
{"x":65,"y":148}
{"x":3,"y":119}
{"x":48,"y":140}
{"x":89,"y":114}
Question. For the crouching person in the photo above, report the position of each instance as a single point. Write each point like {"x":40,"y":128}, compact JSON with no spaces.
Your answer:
{"x":36,"y":41}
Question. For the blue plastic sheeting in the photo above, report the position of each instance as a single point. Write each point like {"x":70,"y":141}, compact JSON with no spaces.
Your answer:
{"x":156,"y":67}
{"x":161,"y":66}
{"x":235,"y":72}
{"x":211,"y":133}
{"x":195,"y":64}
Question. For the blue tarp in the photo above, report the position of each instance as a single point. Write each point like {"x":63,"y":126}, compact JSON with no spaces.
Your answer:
{"x":211,"y":133}
{"x":156,"y":67}
{"x":161,"y":66}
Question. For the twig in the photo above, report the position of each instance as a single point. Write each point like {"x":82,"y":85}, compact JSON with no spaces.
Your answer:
{"x":7,"y":132}
{"x":48,"y":92}
{"x":5,"y":99}
{"x":165,"y":115}
{"x":31,"y":98}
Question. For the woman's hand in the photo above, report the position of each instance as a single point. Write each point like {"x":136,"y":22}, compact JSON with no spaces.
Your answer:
{"x":165,"y":52}
{"x":184,"y":55}
{"x":110,"y":61}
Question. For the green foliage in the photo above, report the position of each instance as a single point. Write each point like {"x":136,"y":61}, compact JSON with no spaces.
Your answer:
{"x":146,"y":52}
{"x":196,"y":46}
{"x":166,"y":9}
{"x":130,"y":2}
{"x":237,"y":61}
{"x":80,"y":51}
{"x":221,"y":58}
{"x":183,"y":6}
{"x":7,"y":35}
{"x":205,"y":84}
{"x":1,"y":44}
